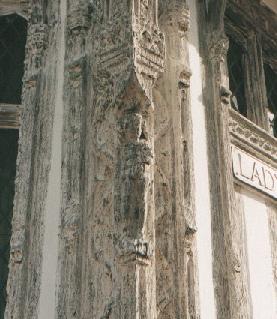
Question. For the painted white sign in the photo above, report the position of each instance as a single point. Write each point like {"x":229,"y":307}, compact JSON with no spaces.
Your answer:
{"x":254,"y":172}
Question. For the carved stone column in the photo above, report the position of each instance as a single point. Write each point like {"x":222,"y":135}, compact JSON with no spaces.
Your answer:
{"x":230,"y":273}
{"x":174,"y":189}
{"x":109,"y":225}
{"x":33,"y":162}
{"x":73,"y":164}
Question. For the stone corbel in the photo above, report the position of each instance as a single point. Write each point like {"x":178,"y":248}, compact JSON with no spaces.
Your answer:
{"x":137,"y":250}
{"x":225,"y":95}
{"x":184,"y":79}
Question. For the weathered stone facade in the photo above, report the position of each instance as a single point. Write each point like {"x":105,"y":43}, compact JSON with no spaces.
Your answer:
{"x":126,"y":204}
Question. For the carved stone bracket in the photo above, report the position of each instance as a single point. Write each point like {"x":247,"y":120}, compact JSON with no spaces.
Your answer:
{"x":184,"y":79}
{"x":252,"y":138}
{"x":137,"y":250}
{"x":225,"y":95}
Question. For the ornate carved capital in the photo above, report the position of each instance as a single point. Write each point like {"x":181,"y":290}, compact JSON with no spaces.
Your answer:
{"x":218,"y":47}
{"x":149,"y":45}
{"x":137,"y":49}
{"x":176,"y":17}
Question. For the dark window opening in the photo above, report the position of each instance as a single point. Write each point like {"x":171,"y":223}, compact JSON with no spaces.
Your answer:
{"x":271,"y":90}
{"x":236,"y":77}
{"x":13,"y":34}
{"x":8,"y":154}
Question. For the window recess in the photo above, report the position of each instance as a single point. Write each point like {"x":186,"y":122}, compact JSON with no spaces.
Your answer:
{"x":13,"y":34}
{"x":271,"y":90}
{"x":236,"y":77}
{"x":251,"y":78}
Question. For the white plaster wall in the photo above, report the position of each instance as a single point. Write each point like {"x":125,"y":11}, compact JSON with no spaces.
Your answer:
{"x":202,"y":191}
{"x":47,"y":302}
{"x":259,"y":257}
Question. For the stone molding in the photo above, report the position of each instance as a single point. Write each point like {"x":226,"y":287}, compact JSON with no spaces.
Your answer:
{"x":252,"y":138}
{"x":20,"y":7}
{"x":9,"y":116}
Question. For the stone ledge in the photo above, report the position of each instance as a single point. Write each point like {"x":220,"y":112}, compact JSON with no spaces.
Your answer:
{"x":14,"y":6}
{"x":251,"y":138}
{"x":9,"y":116}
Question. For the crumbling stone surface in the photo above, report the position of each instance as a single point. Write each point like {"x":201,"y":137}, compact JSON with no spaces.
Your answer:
{"x":127,"y":246}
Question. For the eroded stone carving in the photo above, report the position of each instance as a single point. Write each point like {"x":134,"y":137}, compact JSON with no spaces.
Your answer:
{"x":250,"y":135}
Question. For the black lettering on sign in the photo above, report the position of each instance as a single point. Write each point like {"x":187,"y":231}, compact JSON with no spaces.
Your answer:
{"x":254,"y":172}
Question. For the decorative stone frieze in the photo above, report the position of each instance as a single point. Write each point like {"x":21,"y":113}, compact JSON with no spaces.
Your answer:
{"x":252,"y":138}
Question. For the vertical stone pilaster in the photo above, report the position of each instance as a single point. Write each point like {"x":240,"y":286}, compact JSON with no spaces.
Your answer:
{"x":174,"y":198}
{"x":33,"y":163}
{"x":230,"y":273}
{"x":73,"y":153}
{"x":134,"y":185}
{"x":108,"y":238}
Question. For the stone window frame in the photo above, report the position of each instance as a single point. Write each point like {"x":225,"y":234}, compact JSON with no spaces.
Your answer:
{"x":253,"y":34}
{"x":10,"y":113}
